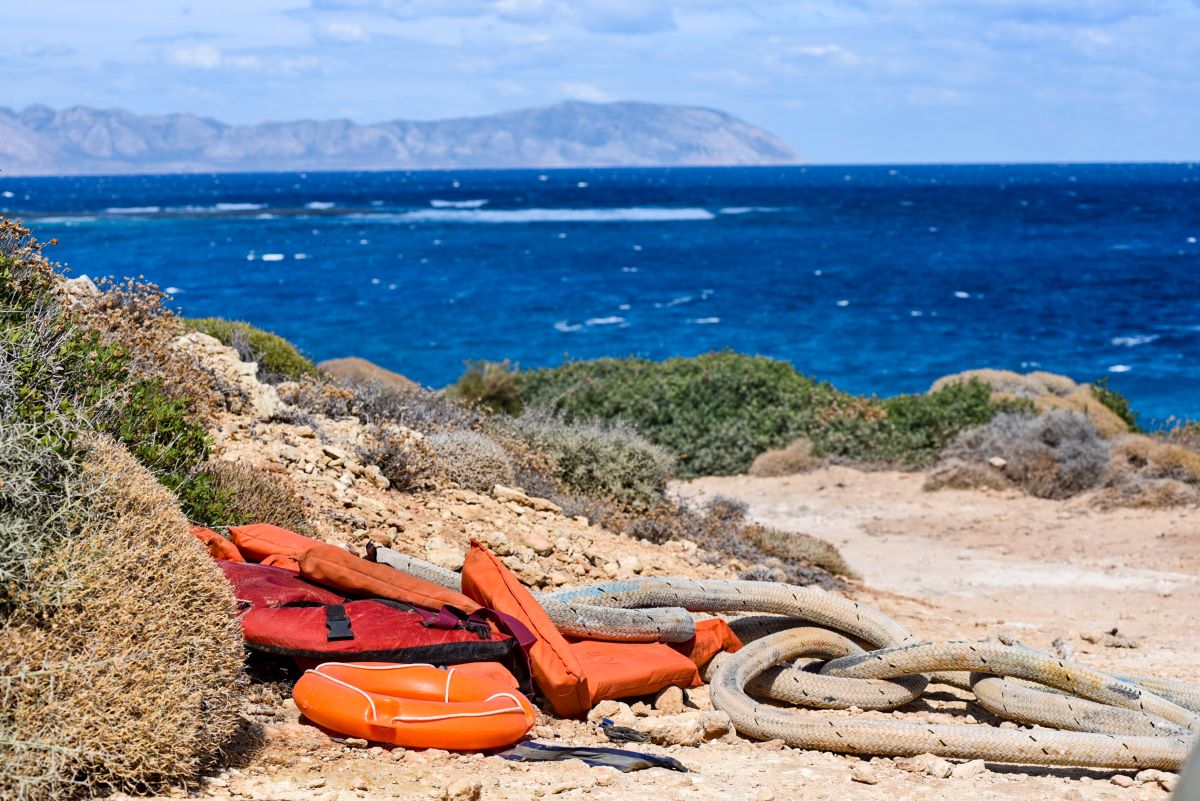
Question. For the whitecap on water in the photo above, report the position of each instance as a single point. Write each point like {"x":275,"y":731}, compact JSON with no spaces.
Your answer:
{"x":172,"y":290}
{"x":843,"y":303}
{"x":238,"y":206}
{"x":319,"y":205}
{"x":705,"y":320}
{"x":6,"y":193}
{"x":1120,"y":368}
{"x":613,"y":320}
{"x":133,"y":210}
{"x":962,"y":295}
{"x":299,"y":256}
{"x":1135,"y":340}
{"x":272,"y":257}
{"x":458,"y":204}
{"x":566,"y":327}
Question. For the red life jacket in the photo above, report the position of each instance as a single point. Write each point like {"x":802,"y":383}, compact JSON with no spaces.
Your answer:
{"x":283,"y":614}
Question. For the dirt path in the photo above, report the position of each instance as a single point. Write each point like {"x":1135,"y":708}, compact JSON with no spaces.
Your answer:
{"x":947,"y":565}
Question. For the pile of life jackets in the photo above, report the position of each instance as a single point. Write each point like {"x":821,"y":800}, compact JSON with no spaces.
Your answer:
{"x":394,"y":658}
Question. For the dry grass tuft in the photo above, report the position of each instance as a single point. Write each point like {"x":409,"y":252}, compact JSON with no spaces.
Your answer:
{"x":133,"y":678}
{"x":1155,"y":459}
{"x":252,"y":495}
{"x":471,"y":459}
{"x":957,"y":474}
{"x":795,"y":458}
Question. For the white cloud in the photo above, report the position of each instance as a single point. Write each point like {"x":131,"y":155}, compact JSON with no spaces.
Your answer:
{"x":584,"y":91}
{"x":204,"y":57}
{"x":343,"y":31}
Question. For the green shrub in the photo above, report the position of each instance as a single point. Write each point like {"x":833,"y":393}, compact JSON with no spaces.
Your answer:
{"x":490,"y":385}
{"x":277,"y":358}
{"x":606,"y":460}
{"x":716,"y":412}
{"x":1117,"y":403}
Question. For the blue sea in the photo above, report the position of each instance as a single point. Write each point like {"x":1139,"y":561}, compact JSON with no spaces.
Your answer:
{"x":879,"y":279}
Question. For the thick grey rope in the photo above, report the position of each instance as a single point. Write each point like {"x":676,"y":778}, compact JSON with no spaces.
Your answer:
{"x":573,"y":619}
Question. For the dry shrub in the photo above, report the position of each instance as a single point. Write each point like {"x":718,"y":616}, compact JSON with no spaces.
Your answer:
{"x":957,"y":474}
{"x":133,"y":678}
{"x":603,"y":460}
{"x":252,"y":495}
{"x":721,"y":529}
{"x":1106,"y":421}
{"x":1027,"y":385}
{"x":374,"y":402}
{"x":795,"y":458}
{"x":1137,"y":491}
{"x":403,"y":456}
{"x":1154,"y":459}
{"x":471,"y":459}
{"x":132,"y":314}
{"x":1056,"y":455}
{"x":356,"y":370}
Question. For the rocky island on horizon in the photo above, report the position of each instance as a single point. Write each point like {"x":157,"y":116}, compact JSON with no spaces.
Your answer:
{"x":81,"y":140}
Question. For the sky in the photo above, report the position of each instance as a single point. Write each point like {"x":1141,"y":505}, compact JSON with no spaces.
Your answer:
{"x":841,"y":81}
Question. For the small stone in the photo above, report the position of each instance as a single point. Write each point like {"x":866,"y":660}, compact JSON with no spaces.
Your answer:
{"x":928,"y":764}
{"x":540,"y":545}
{"x":966,"y":770}
{"x":464,"y":788}
{"x":863,"y":774}
{"x":764,"y":795}
{"x":354,"y":742}
{"x":771,"y":745}
{"x":670,"y":701}
{"x":1122,"y":780}
{"x":642,"y":709}
{"x":998,"y":462}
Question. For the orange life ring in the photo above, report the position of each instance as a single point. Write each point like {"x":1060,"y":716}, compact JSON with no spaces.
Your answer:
{"x":416,"y":706}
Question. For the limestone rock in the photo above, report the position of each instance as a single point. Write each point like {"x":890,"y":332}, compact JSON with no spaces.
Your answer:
{"x":670,"y":701}
{"x":966,"y":770}
{"x":863,"y":773}
{"x":464,"y":788}
{"x":928,"y":764}
{"x":517,"y":496}
{"x":688,"y":728}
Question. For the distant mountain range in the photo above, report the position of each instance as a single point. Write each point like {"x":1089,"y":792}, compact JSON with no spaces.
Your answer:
{"x":81,"y":140}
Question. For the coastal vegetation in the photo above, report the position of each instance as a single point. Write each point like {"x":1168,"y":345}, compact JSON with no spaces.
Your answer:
{"x":277,"y":358}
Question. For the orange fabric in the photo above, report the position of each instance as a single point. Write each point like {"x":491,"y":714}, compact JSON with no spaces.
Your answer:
{"x":491,"y":671}
{"x":218,"y":546}
{"x":574,"y":677}
{"x":342,"y":570}
{"x":260,"y":540}
{"x":284,"y":562}
{"x":556,"y":669}
{"x":625,"y":669}
{"x":712,"y":637}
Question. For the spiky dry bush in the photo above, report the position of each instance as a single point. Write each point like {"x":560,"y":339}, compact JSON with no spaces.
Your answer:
{"x":374,"y":402}
{"x":405,"y":459}
{"x":1151,"y":473}
{"x":795,"y":458}
{"x":252,"y":495}
{"x":123,"y":671}
{"x":1055,"y":455}
{"x":471,"y":459}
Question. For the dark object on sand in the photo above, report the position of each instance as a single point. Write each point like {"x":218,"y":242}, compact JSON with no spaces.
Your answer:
{"x":624,"y":761}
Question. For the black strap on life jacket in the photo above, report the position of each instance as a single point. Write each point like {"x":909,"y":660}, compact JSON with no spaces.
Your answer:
{"x":337,"y":623}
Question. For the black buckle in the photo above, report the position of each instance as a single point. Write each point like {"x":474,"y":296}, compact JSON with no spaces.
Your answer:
{"x":337,"y":623}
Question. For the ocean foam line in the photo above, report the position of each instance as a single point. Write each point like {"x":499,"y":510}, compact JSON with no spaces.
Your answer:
{"x":458,"y":204}
{"x":499,"y":216}
{"x":748,"y":209}
{"x":133,"y":209}
{"x":1135,"y":340}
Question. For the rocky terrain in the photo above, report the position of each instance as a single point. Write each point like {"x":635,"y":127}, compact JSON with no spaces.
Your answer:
{"x":1118,"y":588}
{"x":80,"y":140}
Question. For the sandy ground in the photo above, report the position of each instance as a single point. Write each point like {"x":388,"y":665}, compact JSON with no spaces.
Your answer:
{"x":947,"y":565}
